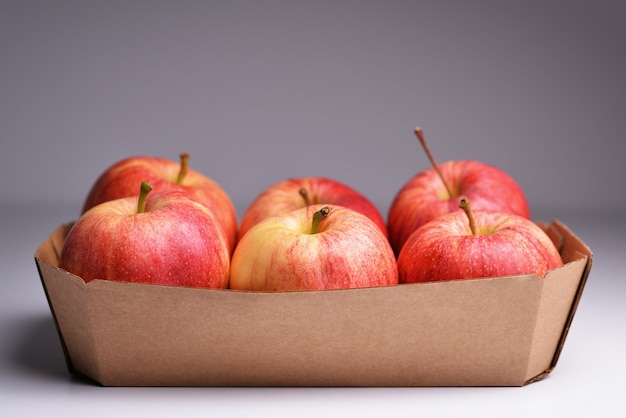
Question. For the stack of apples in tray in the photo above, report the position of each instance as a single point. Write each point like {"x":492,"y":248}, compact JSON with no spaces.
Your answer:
{"x":153,"y":220}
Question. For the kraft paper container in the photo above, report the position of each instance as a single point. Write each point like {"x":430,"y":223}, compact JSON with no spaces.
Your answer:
{"x":506,"y":331}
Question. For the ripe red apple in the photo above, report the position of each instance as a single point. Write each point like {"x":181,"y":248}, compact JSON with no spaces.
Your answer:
{"x":121,"y":180}
{"x":466,"y":244}
{"x":166,"y":238}
{"x":314,"y":247}
{"x":436,"y":191}
{"x":295,"y":193}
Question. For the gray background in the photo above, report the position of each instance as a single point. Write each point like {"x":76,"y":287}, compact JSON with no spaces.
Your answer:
{"x":261,"y":91}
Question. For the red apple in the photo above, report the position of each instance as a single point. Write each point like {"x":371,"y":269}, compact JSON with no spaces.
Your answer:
{"x":166,"y":238}
{"x":314,"y":247}
{"x":121,"y":180}
{"x":476,"y":244}
{"x":436,"y":191}
{"x":297,"y":193}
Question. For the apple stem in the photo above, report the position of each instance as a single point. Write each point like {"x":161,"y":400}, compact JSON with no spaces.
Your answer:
{"x":318,"y":217}
{"x":420,"y":136}
{"x":184,"y":163}
{"x":143,"y":193}
{"x":464,"y":204}
{"x":305,"y":196}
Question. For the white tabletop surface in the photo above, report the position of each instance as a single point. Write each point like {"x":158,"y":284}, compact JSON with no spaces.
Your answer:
{"x":588,"y":380}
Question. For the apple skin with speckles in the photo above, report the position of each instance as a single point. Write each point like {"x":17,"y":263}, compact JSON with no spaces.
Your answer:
{"x":176,"y":241}
{"x":504,"y":244}
{"x":287,"y":252}
{"x":424,"y":197}
{"x":121,"y":180}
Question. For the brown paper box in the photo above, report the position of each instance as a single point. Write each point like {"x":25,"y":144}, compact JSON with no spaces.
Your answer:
{"x":506,"y":331}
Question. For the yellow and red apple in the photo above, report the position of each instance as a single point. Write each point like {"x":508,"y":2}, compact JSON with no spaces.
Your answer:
{"x":313,"y":248}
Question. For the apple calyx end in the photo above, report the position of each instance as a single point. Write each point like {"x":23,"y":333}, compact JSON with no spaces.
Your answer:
{"x":422,"y":139}
{"x":318,"y":217}
{"x":144,"y":189}
{"x":464,"y":204}
{"x":184,"y":164}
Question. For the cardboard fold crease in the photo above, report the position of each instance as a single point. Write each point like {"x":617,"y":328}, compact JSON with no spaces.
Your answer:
{"x":506,"y":331}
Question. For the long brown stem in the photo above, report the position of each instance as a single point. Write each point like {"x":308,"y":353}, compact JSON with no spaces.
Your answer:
{"x":464,"y":204}
{"x":420,"y":136}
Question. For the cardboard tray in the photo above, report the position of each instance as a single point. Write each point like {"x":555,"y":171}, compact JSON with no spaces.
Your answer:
{"x":506,"y":331}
